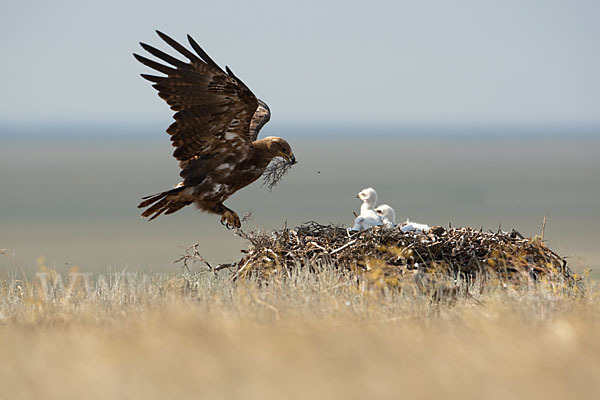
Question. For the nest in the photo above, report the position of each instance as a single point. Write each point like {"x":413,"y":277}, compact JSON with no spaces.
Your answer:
{"x":390,"y":254}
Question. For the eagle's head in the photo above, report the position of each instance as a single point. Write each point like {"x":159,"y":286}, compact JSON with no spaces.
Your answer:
{"x":278,"y":147}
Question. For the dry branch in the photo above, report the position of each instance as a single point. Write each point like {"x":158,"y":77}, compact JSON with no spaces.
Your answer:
{"x":275,"y":171}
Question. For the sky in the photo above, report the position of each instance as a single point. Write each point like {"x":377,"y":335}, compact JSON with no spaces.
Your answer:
{"x":327,"y":61}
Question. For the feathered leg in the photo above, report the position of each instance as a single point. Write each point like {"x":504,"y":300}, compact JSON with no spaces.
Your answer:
{"x":228,"y":217}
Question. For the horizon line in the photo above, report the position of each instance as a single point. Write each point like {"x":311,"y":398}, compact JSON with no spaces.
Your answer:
{"x":136,"y":129}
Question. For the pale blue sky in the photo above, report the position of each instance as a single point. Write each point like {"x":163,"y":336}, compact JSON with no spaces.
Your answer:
{"x":420,"y":62}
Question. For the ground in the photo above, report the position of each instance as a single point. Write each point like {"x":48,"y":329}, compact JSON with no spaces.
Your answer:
{"x":296,"y":335}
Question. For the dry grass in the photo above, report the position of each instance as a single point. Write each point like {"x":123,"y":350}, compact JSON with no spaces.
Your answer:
{"x":298,"y":335}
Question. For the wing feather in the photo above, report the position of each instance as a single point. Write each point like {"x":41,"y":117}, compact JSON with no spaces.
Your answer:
{"x":154,"y":65}
{"x":215,"y":112}
{"x":261,"y":116}
{"x":202,"y":53}
{"x":171,"y":42}
{"x":164,"y":56}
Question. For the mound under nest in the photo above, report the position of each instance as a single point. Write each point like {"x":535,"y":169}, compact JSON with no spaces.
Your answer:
{"x":390,"y":254}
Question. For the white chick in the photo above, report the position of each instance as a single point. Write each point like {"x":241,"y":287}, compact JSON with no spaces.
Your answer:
{"x":409,"y":226}
{"x":368,"y":217}
{"x":387,"y":215}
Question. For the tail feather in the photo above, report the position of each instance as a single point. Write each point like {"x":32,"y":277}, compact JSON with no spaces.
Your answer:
{"x":151,"y":199}
{"x":176,"y":207}
{"x":156,"y":209}
{"x":166,"y":202}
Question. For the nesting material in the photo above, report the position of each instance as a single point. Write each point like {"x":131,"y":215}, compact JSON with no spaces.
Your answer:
{"x":275,"y":171}
{"x":464,"y":253}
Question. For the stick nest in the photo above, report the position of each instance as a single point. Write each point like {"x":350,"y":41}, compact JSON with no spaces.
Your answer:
{"x":389,"y":254}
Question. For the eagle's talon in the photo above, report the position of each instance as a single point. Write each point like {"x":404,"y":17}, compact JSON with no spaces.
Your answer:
{"x":230,"y":219}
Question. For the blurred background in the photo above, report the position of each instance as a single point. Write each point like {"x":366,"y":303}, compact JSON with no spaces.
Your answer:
{"x":477,"y":113}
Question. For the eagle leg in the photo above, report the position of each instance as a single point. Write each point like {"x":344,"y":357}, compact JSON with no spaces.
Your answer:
{"x":228,"y":217}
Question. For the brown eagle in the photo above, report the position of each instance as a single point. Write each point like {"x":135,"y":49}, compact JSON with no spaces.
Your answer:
{"x":217,"y":121}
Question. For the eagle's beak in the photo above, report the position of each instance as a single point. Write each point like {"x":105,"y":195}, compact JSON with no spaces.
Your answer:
{"x":291,"y":160}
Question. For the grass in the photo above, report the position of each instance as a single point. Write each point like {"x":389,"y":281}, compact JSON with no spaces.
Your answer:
{"x":299,"y":335}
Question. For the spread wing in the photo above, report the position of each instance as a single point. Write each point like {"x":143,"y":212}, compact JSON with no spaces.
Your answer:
{"x":215,"y":112}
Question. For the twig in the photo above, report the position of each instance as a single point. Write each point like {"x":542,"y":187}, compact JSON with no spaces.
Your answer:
{"x":350,"y":243}
{"x":543,"y":228}
{"x":275,"y":171}
{"x":318,"y":246}
{"x":187,"y":257}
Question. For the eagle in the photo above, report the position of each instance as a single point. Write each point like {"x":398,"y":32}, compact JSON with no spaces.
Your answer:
{"x":215,"y":133}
